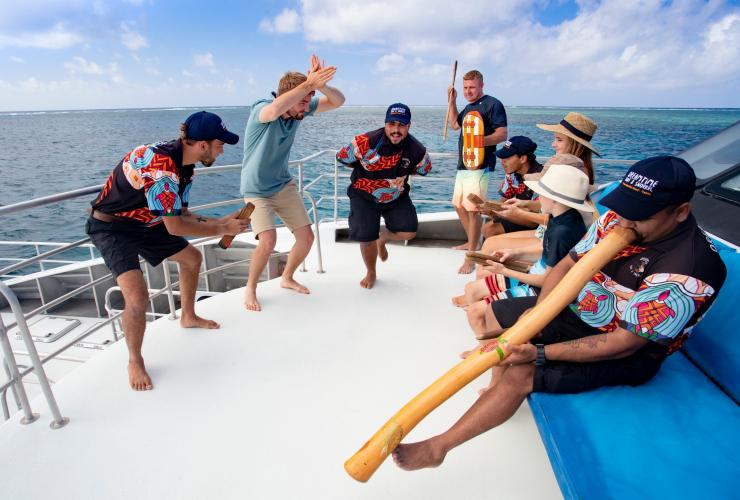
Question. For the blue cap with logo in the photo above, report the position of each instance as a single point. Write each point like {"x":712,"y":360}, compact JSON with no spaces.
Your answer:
{"x":398,"y":112}
{"x":205,"y":126}
{"x":518,"y":145}
{"x":651,"y":185}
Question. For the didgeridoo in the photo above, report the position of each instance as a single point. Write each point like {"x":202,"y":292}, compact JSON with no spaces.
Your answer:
{"x":365,"y":462}
{"x":244,"y":213}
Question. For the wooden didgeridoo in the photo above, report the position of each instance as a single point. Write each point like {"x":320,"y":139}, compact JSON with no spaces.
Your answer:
{"x":245,"y":212}
{"x":365,"y":462}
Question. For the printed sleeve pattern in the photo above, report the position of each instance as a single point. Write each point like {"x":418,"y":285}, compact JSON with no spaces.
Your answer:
{"x":157,"y":175}
{"x":665,"y":303}
{"x":424,"y":166}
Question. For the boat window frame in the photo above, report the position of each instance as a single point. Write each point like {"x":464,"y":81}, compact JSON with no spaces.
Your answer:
{"x":716,"y":189}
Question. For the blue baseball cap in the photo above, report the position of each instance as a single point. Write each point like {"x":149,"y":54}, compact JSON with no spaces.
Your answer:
{"x":205,"y":126}
{"x":651,"y":185}
{"x":518,"y":145}
{"x":398,"y":112}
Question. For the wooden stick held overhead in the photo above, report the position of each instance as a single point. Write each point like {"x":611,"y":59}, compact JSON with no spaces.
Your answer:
{"x":365,"y":462}
{"x":244,"y":213}
{"x":449,"y":99}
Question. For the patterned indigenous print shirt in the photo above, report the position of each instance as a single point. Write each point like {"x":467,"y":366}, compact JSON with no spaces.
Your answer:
{"x":513,"y":184}
{"x":380,"y":169}
{"x":149,"y":183}
{"x":658,"y":291}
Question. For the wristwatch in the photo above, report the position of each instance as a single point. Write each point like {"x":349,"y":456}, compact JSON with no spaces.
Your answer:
{"x":541,"y":359}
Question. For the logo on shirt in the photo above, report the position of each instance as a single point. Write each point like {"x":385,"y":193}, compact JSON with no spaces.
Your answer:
{"x":638,"y":268}
{"x":405,"y":163}
{"x":637,"y":182}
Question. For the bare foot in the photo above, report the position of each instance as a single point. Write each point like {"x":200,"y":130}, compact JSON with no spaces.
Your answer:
{"x":292,"y":284}
{"x":459,"y":301}
{"x":418,"y":455}
{"x":382,"y":250}
{"x":464,"y":246}
{"x":198,"y":322}
{"x":368,"y":281}
{"x":250,"y":300}
{"x":138,"y":378}
{"x":466,"y":268}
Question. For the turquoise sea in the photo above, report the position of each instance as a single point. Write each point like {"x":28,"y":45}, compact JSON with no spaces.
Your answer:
{"x":51,"y":152}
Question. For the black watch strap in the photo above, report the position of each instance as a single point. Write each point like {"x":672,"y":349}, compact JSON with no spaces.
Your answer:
{"x":541,"y":359}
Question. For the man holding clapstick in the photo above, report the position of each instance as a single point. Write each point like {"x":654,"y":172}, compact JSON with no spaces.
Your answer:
{"x":143,"y":211}
{"x":266,"y":181}
{"x":483,"y":125}
{"x":638,"y":309}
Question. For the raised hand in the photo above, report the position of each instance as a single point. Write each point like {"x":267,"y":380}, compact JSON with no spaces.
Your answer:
{"x":319,"y":78}
{"x":451,"y":93}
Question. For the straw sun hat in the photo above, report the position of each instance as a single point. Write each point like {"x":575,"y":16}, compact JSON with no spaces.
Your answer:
{"x":564,"y":184}
{"x":576,"y":126}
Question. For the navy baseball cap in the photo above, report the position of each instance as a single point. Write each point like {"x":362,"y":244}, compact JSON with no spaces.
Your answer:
{"x":517,"y":145}
{"x":398,"y":112}
{"x":205,"y":126}
{"x":651,"y":185}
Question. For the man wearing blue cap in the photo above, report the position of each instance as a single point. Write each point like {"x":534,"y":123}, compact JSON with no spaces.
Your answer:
{"x":636,"y":311}
{"x":381,"y":162}
{"x":142,"y":210}
{"x":266,"y":181}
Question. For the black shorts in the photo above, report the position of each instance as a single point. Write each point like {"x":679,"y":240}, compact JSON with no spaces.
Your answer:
{"x":121,"y":243}
{"x":364,"y":218}
{"x":510,"y":227}
{"x":571,"y":377}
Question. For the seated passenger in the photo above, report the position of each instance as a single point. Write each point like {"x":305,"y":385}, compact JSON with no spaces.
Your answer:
{"x":562,"y":191}
{"x":637,"y":310}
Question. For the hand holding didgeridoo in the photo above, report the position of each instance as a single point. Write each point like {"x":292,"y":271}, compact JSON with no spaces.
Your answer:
{"x":365,"y":462}
{"x":244,"y":213}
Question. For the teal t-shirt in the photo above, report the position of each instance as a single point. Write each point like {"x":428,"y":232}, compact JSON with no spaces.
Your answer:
{"x":266,"y":151}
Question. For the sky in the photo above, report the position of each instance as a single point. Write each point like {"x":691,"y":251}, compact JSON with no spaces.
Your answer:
{"x":91,"y":54}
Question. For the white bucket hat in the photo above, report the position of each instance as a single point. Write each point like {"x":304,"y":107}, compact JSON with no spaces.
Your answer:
{"x":564,"y":184}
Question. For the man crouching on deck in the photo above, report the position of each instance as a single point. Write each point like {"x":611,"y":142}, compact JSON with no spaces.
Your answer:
{"x":381,"y":162}
{"x":143,"y":210}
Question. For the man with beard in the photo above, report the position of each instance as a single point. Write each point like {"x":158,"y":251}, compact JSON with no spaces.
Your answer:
{"x":633,"y":313}
{"x":381,"y":162}
{"x":265,"y":179}
{"x":143,"y":211}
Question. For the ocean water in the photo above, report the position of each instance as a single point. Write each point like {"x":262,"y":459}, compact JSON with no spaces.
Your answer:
{"x":51,"y":152}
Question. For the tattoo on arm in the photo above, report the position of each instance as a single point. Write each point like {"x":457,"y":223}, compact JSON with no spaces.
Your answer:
{"x":200,"y":218}
{"x":591,"y":342}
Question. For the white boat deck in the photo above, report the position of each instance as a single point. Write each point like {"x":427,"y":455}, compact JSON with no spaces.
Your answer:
{"x":272,"y":404}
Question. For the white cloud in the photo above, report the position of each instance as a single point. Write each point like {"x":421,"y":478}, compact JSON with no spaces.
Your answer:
{"x":132,"y":39}
{"x":389,"y":62}
{"x":16,"y":59}
{"x":57,"y":37}
{"x":204,"y":60}
{"x":288,"y":21}
{"x":81,"y":65}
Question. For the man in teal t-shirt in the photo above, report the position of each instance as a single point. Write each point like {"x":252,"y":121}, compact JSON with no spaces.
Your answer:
{"x":266,"y":181}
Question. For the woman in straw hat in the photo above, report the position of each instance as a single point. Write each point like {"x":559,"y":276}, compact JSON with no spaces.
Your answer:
{"x":572,"y":136}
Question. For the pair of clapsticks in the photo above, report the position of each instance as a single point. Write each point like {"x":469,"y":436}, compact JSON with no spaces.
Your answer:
{"x":483,"y":205}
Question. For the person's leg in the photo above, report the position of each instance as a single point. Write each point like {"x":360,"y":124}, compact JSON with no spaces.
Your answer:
{"x":369,"y":251}
{"x":189,"y":260}
{"x":260,"y":256}
{"x":492,"y":408}
{"x":475,"y":222}
{"x":483,"y":321}
{"x":303,"y":241}
{"x":458,"y":196}
{"x":136,"y":298}
{"x":401,"y":223}
{"x":492,"y":228}
{"x":474,"y":291}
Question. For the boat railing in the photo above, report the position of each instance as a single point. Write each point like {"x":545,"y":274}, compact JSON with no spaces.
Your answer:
{"x":15,"y":375}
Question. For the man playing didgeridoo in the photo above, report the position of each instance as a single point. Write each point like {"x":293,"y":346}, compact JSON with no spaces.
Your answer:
{"x":474,"y":172}
{"x":381,"y":162}
{"x":629,"y":317}
{"x":143,"y":211}
{"x":266,"y":181}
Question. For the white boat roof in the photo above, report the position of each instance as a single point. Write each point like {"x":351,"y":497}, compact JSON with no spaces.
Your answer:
{"x":273,"y":403}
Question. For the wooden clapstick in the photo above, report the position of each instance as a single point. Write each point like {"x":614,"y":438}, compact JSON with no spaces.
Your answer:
{"x":483,"y":205}
{"x":483,"y":258}
{"x":365,"y":462}
{"x":244,"y":213}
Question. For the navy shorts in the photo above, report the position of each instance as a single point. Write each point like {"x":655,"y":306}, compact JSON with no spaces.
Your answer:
{"x":570,"y":377}
{"x":364,"y":218}
{"x":121,"y":243}
{"x":511,"y":227}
